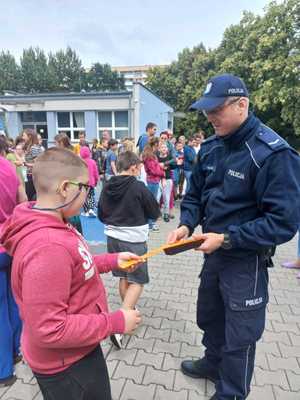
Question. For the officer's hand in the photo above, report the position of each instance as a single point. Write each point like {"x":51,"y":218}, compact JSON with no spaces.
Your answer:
{"x":178,"y":234}
{"x":212,"y":241}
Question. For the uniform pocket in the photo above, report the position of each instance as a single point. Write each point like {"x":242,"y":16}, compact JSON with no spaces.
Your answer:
{"x":245,"y":292}
{"x":245,"y":320}
{"x":245,"y":304}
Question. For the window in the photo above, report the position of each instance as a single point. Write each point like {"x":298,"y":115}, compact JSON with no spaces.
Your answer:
{"x":116,"y":122}
{"x":63,"y":120}
{"x":33,"y":116}
{"x":72,"y":123}
{"x":104,"y":119}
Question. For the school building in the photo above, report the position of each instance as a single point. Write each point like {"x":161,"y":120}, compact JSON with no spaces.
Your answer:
{"x":123,"y":114}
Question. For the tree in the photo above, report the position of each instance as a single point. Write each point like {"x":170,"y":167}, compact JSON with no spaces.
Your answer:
{"x":182,"y":82}
{"x":9,"y":72}
{"x":101,"y":77}
{"x":34,"y":71}
{"x":66,"y":71}
{"x":263,"y":50}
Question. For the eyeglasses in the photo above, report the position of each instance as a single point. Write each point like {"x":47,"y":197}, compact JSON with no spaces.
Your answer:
{"x":221,"y":108}
{"x":80,"y":185}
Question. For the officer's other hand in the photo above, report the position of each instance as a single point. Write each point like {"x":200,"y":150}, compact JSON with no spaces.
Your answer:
{"x":178,"y":234}
{"x":212,"y":241}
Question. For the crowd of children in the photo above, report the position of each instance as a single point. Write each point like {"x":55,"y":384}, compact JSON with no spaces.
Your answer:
{"x":56,"y":283}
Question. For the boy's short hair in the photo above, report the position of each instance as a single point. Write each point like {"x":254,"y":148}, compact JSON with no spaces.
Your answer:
{"x":127,"y":160}
{"x":150,"y":125}
{"x":54,"y":166}
{"x":112,"y":142}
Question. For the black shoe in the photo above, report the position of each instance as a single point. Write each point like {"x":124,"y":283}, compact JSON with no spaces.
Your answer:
{"x":166,"y":218}
{"x":199,"y":369}
{"x":8,"y":381}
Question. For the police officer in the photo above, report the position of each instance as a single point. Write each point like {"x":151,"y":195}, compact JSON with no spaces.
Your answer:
{"x":244,"y":192}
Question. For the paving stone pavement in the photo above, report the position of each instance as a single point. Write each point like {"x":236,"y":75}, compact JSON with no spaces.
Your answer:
{"x":148,"y":367}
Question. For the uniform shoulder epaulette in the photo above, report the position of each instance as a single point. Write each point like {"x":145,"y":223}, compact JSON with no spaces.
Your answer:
{"x":264,"y":143}
{"x":271,"y":138}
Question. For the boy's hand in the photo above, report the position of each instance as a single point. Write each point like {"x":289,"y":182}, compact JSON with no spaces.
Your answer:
{"x":178,"y":234}
{"x":132,"y":320}
{"x":127,"y":256}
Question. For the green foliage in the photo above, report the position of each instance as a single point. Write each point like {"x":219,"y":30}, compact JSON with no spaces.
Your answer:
{"x":34,"y":70}
{"x":264,"y":51}
{"x":66,"y":71}
{"x":9,"y":72}
{"x":61,"y":71}
{"x":101,"y":77}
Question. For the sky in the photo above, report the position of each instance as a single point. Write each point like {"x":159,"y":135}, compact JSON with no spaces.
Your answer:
{"x":132,"y":32}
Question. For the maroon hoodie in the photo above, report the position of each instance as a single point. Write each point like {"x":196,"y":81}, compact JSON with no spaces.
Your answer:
{"x":56,"y":284}
{"x":153,"y":170}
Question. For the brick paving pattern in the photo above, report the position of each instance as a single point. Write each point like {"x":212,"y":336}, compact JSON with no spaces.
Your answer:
{"x":149,"y":365}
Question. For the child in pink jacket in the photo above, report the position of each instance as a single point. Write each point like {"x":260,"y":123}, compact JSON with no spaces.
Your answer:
{"x":89,"y":205}
{"x":57,"y":285}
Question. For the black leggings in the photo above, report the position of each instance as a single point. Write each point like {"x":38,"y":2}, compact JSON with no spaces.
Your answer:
{"x":30,"y":189}
{"x":87,"y":379}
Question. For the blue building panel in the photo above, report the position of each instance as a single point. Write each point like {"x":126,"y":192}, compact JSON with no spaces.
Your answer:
{"x":153,"y":109}
{"x":142,"y":104}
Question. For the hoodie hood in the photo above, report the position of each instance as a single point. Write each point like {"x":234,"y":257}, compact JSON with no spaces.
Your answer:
{"x":23,"y":222}
{"x":85,"y":152}
{"x":118,"y":186}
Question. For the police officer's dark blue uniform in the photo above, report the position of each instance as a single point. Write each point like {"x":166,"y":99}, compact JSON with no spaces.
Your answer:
{"x":246,"y":185}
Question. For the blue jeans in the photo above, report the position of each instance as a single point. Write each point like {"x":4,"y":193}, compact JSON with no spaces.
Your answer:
{"x":153,"y":187}
{"x":10,"y":322}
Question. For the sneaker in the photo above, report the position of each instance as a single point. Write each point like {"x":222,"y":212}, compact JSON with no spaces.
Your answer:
{"x":166,"y":218}
{"x":171,"y":216}
{"x":155,"y":228}
{"x":116,"y":340}
{"x":92,"y":213}
{"x":8,"y":381}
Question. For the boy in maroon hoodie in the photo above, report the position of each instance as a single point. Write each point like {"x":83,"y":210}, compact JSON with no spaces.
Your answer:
{"x":57,"y":286}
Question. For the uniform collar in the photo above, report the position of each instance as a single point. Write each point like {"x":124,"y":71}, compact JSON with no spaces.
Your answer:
{"x":240,"y":135}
